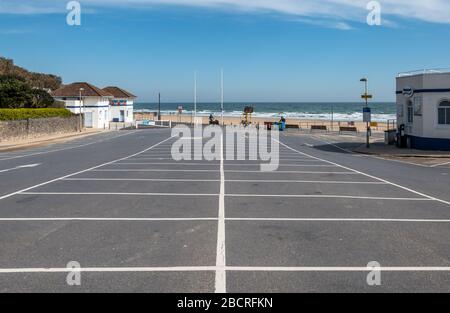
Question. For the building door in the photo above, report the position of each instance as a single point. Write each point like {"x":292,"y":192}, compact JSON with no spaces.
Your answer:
{"x":88,"y":121}
{"x":122,"y":116}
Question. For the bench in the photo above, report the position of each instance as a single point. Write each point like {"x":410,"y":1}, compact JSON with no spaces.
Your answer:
{"x":348,"y":129}
{"x":319,"y":127}
{"x":292,"y":126}
{"x":268,"y":125}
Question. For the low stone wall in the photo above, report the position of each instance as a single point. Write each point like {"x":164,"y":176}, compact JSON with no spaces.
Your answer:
{"x":35,"y":128}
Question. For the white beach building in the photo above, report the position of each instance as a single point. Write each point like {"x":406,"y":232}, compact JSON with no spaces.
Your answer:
{"x":87,"y":99}
{"x":423,"y":109}
{"x":121,"y":105}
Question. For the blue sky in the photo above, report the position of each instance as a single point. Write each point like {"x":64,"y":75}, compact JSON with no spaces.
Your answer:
{"x":278,"y":52}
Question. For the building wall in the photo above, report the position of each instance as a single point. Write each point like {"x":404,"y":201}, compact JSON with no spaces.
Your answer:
{"x":128,"y":112}
{"x":35,"y":128}
{"x":426,"y":124}
{"x":430,"y":91}
{"x":97,"y":106}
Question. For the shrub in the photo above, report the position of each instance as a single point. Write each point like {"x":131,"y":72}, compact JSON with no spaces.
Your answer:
{"x":23,"y":114}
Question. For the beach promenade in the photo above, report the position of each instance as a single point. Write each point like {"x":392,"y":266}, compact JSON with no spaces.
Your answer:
{"x":135,"y":220}
{"x":304,"y":124}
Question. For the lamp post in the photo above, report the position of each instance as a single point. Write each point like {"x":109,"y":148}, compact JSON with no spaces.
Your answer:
{"x":81,"y":111}
{"x":366,"y":96}
{"x":195,"y":97}
{"x":159,"y":106}
{"x":332,"y":116}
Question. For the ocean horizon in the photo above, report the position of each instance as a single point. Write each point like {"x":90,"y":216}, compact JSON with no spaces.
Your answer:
{"x":339,"y":111}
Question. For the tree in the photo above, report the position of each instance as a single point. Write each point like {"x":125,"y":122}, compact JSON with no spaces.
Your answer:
{"x":14,"y":92}
{"x":35,"y":80}
{"x":41,"y":99}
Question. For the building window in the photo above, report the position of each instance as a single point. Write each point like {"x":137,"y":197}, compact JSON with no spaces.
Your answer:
{"x":410,"y":112}
{"x":444,"y":113}
{"x":418,"y":104}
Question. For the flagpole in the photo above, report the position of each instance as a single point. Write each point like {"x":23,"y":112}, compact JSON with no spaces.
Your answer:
{"x":221,"y":90}
{"x":195,"y":97}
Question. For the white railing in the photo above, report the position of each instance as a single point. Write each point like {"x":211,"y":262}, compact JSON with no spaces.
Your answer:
{"x":148,"y":123}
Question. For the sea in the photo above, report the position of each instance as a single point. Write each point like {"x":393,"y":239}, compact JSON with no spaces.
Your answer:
{"x":348,"y":111}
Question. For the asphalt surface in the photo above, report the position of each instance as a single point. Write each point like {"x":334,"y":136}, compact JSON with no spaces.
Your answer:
{"x":138,"y":221}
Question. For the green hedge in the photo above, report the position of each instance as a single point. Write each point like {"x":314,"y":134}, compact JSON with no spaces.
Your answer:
{"x":23,"y":114}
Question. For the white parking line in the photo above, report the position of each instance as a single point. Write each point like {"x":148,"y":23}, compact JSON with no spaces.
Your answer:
{"x":214,"y":268}
{"x":142,"y":179}
{"x":337,"y":269}
{"x":68,"y":148}
{"x":220,"y":279}
{"x":121,"y":194}
{"x":109,"y":269}
{"x":328,"y":196}
{"x":368,"y":175}
{"x":212,"y":164}
{"x":215,"y":171}
{"x":77,"y":173}
{"x":102,"y":219}
{"x":228,"y":180}
{"x":152,"y":170}
{"x":339,"y":220}
{"x":368,"y":155}
{"x":293,"y":172}
{"x":20,"y":167}
{"x":174,"y":163}
{"x":304,"y":182}
{"x":438,"y":165}
{"x":299,"y":159}
{"x":242,"y":219}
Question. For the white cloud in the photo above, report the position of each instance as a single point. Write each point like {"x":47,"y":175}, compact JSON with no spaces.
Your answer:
{"x":337,"y":11}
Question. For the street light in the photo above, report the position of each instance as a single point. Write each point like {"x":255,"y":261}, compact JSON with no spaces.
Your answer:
{"x":159,"y":106}
{"x":366,"y":96}
{"x":81,"y":113}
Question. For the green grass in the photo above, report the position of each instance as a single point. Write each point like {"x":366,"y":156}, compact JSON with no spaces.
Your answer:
{"x":23,"y":114}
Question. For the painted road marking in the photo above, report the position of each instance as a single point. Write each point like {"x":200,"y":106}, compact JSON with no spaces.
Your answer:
{"x":120,"y":194}
{"x":220,"y":279}
{"x":305,"y":182}
{"x":238,"y":219}
{"x":229,"y":180}
{"x":239,"y":164}
{"x":102,"y":219}
{"x":294,"y":172}
{"x":394,"y":220}
{"x":69,"y":148}
{"x":214,"y":268}
{"x":20,"y":167}
{"x":368,"y":155}
{"x":328,"y":196}
{"x":77,"y":173}
{"x":150,"y":170}
{"x":142,"y":179}
{"x":368,"y":175}
{"x":443,"y":164}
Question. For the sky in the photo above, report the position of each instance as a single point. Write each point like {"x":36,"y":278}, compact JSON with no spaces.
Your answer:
{"x":270,"y":50}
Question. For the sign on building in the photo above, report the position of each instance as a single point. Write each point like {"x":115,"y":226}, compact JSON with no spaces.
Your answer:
{"x":367,"y":115}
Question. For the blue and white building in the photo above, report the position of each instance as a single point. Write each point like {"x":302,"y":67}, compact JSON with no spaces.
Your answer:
{"x":99,"y":106}
{"x":121,"y":105}
{"x":423,"y":107}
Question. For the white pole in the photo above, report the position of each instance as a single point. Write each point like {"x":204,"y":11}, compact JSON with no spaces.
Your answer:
{"x":221,"y":100}
{"x":195,"y":97}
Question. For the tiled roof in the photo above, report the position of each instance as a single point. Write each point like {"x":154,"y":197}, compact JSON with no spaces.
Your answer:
{"x":119,"y":93}
{"x":73,"y":90}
